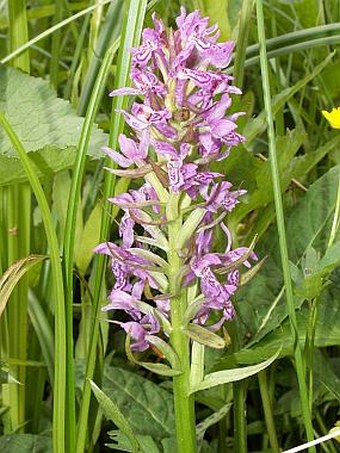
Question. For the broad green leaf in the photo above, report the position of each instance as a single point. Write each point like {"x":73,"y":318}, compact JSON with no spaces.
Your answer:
{"x":327,"y":333}
{"x":233,"y":375}
{"x":147,"y":407}
{"x":261,"y":191}
{"x":26,"y":443}
{"x":113,"y":413}
{"x":261,"y":305}
{"x":47,"y":127}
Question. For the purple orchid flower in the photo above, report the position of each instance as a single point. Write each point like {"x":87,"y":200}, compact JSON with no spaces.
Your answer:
{"x":180,"y":123}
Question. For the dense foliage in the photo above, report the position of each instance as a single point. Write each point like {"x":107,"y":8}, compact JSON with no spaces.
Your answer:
{"x":265,"y":368}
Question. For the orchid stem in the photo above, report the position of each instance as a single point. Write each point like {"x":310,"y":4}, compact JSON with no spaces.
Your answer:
{"x":183,"y":401}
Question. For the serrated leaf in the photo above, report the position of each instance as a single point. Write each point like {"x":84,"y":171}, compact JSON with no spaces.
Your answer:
{"x":122,"y":443}
{"x":26,"y":443}
{"x":147,"y":407}
{"x":113,"y":413}
{"x":47,"y":127}
{"x":233,"y":375}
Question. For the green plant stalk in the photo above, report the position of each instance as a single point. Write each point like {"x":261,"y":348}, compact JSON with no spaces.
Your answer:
{"x":55,"y":49}
{"x":242,"y":39}
{"x":239,"y":398}
{"x":268,"y":411}
{"x":76,"y":57}
{"x":131,"y":32}
{"x":309,"y":346}
{"x":183,"y":402}
{"x":18,"y":240}
{"x":60,"y":326}
{"x":300,"y":369}
{"x":240,"y":420}
{"x":109,"y":33}
{"x":70,"y":229}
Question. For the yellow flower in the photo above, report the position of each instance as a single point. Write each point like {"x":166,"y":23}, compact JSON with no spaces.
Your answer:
{"x":333,"y":117}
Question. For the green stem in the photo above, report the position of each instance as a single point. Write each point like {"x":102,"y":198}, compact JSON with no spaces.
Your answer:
{"x":184,"y":403}
{"x":268,"y":411}
{"x":19,"y":221}
{"x":56,"y":40}
{"x":60,"y":328}
{"x":239,"y":398}
{"x":300,"y":369}
{"x":240,"y":420}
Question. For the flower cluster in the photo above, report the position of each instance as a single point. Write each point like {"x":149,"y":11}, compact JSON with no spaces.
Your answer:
{"x":180,"y":125}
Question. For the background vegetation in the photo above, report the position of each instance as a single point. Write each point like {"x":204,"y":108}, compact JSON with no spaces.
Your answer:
{"x":64,"y":373}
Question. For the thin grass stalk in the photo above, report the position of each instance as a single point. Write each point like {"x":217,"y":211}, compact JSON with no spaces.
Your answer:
{"x":70,"y":229}
{"x":19,"y":212}
{"x":131,"y":32}
{"x":58,"y":286}
{"x":268,"y":411}
{"x":300,"y":369}
{"x":56,"y":41}
{"x":242,"y":39}
{"x":95,"y":27}
{"x":76,"y":57}
{"x":109,"y":33}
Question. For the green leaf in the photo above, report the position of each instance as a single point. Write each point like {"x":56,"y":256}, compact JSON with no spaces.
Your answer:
{"x":233,"y":375}
{"x":11,"y":277}
{"x":259,"y":301}
{"x":159,"y":368}
{"x":204,"y":336}
{"x":26,"y":443}
{"x":189,"y":227}
{"x":113,"y":413}
{"x":214,"y":418}
{"x":47,"y":127}
{"x":218,"y":13}
{"x":147,"y":407}
{"x":122,"y":443}
{"x":88,"y":239}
